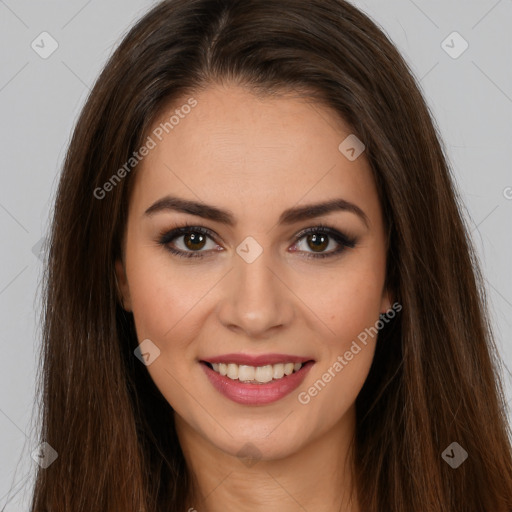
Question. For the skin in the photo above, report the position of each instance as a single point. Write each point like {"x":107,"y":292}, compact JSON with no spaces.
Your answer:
{"x":256,"y":157}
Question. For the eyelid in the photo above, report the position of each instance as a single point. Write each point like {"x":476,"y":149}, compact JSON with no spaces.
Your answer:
{"x":168,"y":235}
{"x":328,"y":230}
{"x":342,"y":239}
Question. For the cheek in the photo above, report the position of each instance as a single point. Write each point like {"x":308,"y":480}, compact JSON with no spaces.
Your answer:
{"x":163,"y":294}
{"x":331,"y":390}
{"x":351,"y":303}
{"x":356,"y":305}
{"x":346,"y":299}
{"x":165,"y":304}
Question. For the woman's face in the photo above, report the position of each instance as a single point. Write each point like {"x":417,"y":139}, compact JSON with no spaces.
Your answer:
{"x":257,"y":293}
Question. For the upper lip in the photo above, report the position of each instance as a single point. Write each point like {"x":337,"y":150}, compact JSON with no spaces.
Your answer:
{"x":256,"y":360}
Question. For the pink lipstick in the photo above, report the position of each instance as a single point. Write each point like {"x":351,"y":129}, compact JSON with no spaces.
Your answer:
{"x":256,"y":379}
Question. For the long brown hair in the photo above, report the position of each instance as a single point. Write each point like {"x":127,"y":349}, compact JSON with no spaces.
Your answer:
{"x":435,"y":375}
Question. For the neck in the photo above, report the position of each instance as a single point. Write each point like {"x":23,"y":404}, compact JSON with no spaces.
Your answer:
{"x":317,"y":477}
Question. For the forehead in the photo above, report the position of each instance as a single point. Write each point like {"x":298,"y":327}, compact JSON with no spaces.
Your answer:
{"x":246,"y":151}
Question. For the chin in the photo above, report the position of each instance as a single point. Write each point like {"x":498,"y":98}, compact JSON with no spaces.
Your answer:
{"x":272,"y":441}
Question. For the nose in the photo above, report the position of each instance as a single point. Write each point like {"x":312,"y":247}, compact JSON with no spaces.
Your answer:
{"x":255,"y":299}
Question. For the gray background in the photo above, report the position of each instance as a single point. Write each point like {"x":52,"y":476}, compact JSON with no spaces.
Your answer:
{"x":470,"y":98}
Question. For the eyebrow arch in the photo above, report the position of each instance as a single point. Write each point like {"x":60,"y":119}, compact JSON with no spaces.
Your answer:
{"x":289,"y":216}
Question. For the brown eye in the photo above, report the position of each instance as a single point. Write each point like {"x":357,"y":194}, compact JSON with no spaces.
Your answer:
{"x":313,"y":242}
{"x":188,"y":241}
{"x":194,"y":241}
{"x":318,"y":242}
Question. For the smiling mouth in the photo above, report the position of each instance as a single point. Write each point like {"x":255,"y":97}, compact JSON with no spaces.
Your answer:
{"x":255,"y":374}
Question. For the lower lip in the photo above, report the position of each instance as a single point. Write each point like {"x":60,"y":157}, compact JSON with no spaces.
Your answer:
{"x":257,"y":394}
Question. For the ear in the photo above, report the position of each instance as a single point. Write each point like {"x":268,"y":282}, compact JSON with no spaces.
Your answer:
{"x":123,"y":289}
{"x":386,"y":301}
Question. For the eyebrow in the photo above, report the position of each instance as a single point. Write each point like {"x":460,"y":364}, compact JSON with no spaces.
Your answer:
{"x":289,"y":216}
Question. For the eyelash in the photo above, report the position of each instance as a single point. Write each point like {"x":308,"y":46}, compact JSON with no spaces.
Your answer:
{"x":343,"y":240}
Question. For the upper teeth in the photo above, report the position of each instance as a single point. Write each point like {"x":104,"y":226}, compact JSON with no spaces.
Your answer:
{"x":261,"y":374}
